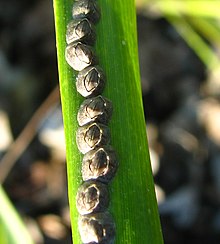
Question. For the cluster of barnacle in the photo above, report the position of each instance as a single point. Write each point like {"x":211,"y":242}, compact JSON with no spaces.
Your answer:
{"x":99,"y":163}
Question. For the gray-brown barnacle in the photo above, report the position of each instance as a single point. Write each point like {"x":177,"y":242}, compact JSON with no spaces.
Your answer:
{"x":90,"y":81}
{"x":96,"y":109}
{"x":92,"y":197}
{"x":86,"y":9}
{"x":100,"y":164}
{"x":97,"y":228}
{"x":80,"y":30}
{"x":90,"y":136}
{"x":79,"y":56}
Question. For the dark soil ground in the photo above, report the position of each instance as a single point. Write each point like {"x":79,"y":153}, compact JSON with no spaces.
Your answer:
{"x":182,"y":124}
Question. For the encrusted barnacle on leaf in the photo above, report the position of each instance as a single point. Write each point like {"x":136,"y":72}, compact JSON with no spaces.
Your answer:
{"x":92,"y":197}
{"x":100,"y":164}
{"x":95,"y":109}
{"x":80,"y":30}
{"x":90,"y":81}
{"x":79,"y":56}
{"x":97,"y":228}
{"x":86,"y":9}
{"x":93,"y":135}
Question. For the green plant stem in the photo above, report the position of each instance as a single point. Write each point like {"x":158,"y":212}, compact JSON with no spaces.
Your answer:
{"x":133,"y":202}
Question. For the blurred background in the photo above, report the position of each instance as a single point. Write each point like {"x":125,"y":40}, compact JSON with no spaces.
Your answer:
{"x":179,"y":46}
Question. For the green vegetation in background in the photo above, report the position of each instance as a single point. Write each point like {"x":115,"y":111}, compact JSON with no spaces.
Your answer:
{"x":12,"y":229}
{"x":198,"y":22}
{"x":133,"y":202}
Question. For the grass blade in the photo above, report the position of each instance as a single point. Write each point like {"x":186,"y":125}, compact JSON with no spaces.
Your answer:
{"x":199,"y":8}
{"x":208,"y":28}
{"x":176,"y":11}
{"x":12,"y":229}
{"x":196,"y":42}
{"x":133,"y":202}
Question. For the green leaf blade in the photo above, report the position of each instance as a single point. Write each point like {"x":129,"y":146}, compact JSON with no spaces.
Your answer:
{"x":133,"y":203}
{"x":12,"y":228}
{"x":133,"y":199}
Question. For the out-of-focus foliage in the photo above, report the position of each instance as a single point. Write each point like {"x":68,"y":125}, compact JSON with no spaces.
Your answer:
{"x":12,"y":229}
{"x":198,"y":22}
